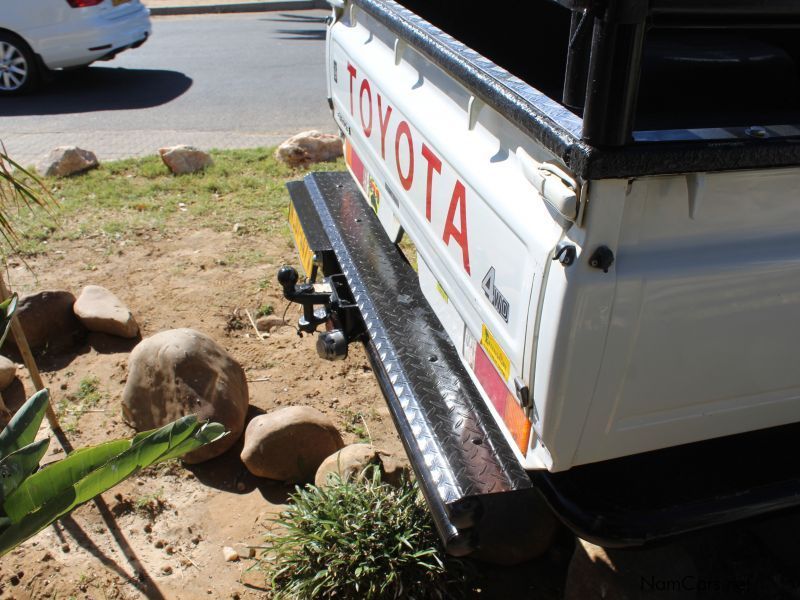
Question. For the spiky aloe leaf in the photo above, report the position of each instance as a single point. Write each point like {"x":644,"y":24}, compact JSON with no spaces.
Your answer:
{"x":7,"y":309}
{"x":15,"y":467}
{"x":22,"y":428}
{"x":49,"y":507}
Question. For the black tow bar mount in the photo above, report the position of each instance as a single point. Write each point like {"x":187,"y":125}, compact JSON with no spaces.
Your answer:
{"x":330,"y":304}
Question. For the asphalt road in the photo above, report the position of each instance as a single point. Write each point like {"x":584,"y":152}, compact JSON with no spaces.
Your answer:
{"x":222,"y":81}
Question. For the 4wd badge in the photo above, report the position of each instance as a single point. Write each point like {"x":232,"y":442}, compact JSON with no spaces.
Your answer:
{"x":494,"y":295}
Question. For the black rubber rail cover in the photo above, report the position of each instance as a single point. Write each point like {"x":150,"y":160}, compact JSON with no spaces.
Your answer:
{"x":457,"y":450}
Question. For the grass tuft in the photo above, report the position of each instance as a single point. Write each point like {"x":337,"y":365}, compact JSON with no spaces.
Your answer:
{"x":359,"y":540}
{"x":123,"y":199}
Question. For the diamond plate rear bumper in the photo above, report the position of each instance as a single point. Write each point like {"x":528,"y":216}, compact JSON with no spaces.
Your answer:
{"x":463,"y":463}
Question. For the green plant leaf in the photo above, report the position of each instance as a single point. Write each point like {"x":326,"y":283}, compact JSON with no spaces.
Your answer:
{"x":58,"y":476}
{"x":208,"y":433}
{"x":15,"y":467}
{"x":22,"y":428}
{"x":7,"y":309}
{"x":146,"y":452}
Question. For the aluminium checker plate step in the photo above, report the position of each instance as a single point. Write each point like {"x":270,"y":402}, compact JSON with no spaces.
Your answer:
{"x":462,"y":461}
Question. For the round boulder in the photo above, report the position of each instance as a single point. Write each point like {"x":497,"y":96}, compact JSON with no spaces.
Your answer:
{"x":180,"y":372}
{"x":289,"y":444}
{"x":348,"y":463}
{"x":8,"y":371}
{"x":48,"y":321}
{"x":100,"y":310}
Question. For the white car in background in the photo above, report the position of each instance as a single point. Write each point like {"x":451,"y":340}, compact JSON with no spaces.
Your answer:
{"x":38,"y":35}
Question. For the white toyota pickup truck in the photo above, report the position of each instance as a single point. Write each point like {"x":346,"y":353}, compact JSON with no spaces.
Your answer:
{"x":602,"y":321}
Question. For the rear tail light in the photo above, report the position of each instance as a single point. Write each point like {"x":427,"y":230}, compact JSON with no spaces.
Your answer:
{"x":84,"y":3}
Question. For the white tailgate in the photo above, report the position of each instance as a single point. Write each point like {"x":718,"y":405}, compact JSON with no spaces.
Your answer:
{"x":483,"y":233}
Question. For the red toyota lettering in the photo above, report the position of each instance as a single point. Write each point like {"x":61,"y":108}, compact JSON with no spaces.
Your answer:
{"x":352,"y":70}
{"x":384,"y":123}
{"x":408,"y":178}
{"x":365,"y":89}
{"x":434,"y":164}
{"x":458,"y":201}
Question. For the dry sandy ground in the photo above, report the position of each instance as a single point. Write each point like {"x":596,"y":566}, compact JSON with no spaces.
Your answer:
{"x":176,"y":518}
{"x":161,"y":533}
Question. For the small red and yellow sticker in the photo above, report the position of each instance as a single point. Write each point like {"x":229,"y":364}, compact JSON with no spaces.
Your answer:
{"x":374,"y":195}
{"x":495,"y":352}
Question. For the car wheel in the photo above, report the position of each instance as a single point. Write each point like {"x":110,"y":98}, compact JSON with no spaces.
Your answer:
{"x":19,"y":72}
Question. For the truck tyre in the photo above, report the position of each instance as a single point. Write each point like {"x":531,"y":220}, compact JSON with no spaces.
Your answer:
{"x":522,"y":529}
{"x":19,"y":71}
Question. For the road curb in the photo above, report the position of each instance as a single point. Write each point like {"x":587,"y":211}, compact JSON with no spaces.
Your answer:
{"x":238,"y":8}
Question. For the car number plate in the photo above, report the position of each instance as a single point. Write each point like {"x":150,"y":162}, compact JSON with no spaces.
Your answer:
{"x":303,"y":249}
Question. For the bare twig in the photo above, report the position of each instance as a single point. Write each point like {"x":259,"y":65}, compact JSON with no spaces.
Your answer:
{"x":261,"y":336}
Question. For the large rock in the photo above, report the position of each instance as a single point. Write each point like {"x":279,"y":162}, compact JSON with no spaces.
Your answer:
{"x":66,"y":160}
{"x":182,"y":160}
{"x":309,"y":147}
{"x":48,"y":321}
{"x":289,"y":444}
{"x":100,"y":310}
{"x":180,"y":372}
{"x":348,"y":463}
{"x":8,"y":371}
{"x":666,"y":572}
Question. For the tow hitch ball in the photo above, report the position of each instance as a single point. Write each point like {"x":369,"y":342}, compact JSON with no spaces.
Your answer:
{"x":329,"y":303}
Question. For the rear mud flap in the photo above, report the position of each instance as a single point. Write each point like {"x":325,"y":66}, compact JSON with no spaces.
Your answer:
{"x":463,"y":464}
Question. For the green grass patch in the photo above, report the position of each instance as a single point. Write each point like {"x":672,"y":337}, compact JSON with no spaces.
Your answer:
{"x":265,"y":310}
{"x":73,"y":406}
{"x":123,"y":199}
{"x":360,"y":540}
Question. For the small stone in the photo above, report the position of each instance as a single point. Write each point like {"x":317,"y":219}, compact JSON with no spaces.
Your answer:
{"x":48,"y":321}
{"x":166,"y":569}
{"x":148,"y":528}
{"x":65,"y":161}
{"x":349,"y":463}
{"x":395,"y":470}
{"x":100,"y":310}
{"x":160,"y":543}
{"x":196,"y":540}
{"x":230,"y":554}
{"x":46,"y":556}
{"x":14,"y":580}
{"x":269,"y":323}
{"x":8,"y":372}
{"x":65,"y":547}
{"x":289,"y":444}
{"x":169,"y":550}
{"x":183,"y":159}
{"x":309,"y":147}
{"x":239,"y":228}
{"x":255,"y":579}
{"x":243,"y":550}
